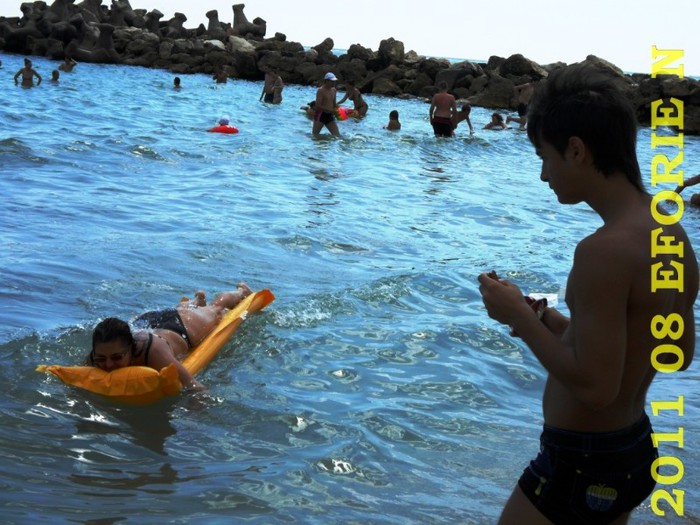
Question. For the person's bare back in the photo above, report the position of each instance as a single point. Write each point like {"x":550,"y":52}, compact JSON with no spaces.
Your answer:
{"x":444,"y":105}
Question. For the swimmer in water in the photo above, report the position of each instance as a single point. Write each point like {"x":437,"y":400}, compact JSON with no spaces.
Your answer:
{"x":161,"y":337}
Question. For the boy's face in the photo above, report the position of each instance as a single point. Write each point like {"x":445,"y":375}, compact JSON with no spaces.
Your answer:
{"x":560,"y":173}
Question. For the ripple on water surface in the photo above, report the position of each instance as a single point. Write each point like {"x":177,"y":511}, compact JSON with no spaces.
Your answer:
{"x":374,"y":389}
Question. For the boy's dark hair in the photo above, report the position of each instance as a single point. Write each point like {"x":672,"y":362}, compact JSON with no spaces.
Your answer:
{"x":394,"y":115}
{"x":586,"y":102}
{"x":112,"y":329}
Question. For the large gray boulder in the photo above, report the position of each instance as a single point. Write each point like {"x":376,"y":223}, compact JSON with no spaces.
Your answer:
{"x":242,"y":27}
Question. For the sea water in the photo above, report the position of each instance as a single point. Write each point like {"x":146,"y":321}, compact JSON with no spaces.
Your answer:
{"x":375,"y":389}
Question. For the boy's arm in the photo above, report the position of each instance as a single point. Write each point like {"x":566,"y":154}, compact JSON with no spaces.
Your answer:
{"x":555,"y":321}
{"x":589,"y":360}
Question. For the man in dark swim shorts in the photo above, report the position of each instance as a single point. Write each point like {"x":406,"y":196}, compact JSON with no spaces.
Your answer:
{"x":442,"y":126}
{"x":272,"y":87}
{"x":590,"y":478}
{"x":522,"y":95}
{"x":324,"y":114}
{"x":443,"y":111}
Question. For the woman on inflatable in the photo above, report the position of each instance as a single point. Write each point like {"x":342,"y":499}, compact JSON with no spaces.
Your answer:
{"x":162,"y":337}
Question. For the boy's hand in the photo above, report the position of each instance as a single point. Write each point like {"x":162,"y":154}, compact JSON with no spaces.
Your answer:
{"x":504,"y":301}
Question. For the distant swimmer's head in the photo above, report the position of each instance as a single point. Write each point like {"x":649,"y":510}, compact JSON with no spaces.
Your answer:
{"x":330,"y":76}
{"x":223,"y":121}
{"x":112,"y":344}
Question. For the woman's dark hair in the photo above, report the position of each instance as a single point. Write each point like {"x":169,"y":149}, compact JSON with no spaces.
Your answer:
{"x":112,"y":329}
{"x":584,"y":101}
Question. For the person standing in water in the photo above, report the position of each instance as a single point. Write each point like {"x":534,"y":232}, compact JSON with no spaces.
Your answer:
{"x":28,"y":73}
{"x":596,"y":448}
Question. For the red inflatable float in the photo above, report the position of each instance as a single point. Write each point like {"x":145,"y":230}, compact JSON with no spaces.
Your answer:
{"x":224,"y":126}
{"x":224,"y":129}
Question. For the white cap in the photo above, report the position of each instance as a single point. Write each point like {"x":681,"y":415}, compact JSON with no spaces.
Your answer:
{"x":330,"y":76}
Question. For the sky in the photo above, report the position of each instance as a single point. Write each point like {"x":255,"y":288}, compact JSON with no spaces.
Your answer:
{"x":545,"y":31}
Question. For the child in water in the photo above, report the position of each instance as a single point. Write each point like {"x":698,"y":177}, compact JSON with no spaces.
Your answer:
{"x":394,"y":124}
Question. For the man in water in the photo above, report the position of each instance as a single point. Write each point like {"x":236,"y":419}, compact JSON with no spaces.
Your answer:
{"x":324,"y":109}
{"x":443,"y":111}
{"x":272,"y":88}
{"x":522,"y":95}
{"x":596,"y":449}
{"x":68,"y":65}
{"x":28,"y":73}
{"x":464,"y":114}
{"x":353,"y":93}
{"x":163,"y":337}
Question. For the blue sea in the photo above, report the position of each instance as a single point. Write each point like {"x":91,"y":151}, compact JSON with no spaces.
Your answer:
{"x":374,"y":390}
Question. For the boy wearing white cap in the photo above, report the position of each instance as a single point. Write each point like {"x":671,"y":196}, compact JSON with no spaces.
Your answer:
{"x":324,"y":114}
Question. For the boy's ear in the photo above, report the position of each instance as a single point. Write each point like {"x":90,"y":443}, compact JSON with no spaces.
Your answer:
{"x":577,"y":148}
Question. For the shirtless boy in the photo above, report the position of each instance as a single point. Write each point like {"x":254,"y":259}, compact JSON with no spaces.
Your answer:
{"x":464,"y":114}
{"x":272,"y":87}
{"x":522,"y":94}
{"x":394,"y":123}
{"x":596,"y":449}
{"x":68,"y":65}
{"x":352,"y":93}
{"x":28,"y":73}
{"x":324,"y":109}
{"x":443,"y":111}
{"x":162,"y":337}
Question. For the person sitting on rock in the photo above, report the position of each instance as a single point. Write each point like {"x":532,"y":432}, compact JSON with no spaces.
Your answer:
{"x":353,"y":93}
